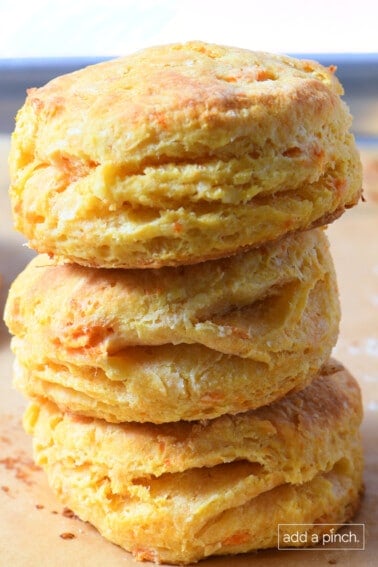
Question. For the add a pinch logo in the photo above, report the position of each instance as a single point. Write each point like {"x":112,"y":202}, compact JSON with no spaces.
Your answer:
{"x":307,"y":537}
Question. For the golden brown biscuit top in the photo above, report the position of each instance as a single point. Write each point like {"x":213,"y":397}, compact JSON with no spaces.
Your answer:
{"x":174,"y":101}
{"x":218,"y":303}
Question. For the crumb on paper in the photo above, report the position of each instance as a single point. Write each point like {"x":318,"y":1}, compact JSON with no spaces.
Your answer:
{"x":67,"y":535}
{"x":67,"y":513}
{"x":21,"y":466}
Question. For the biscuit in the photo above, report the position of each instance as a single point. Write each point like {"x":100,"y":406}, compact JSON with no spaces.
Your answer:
{"x":187,"y":343}
{"x":180,"y":492}
{"x":179,"y":154}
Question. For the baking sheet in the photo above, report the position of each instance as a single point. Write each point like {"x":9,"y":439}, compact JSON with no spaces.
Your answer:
{"x":32,"y":522}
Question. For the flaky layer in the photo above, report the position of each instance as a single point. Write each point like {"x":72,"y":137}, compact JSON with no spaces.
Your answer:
{"x":180,"y":492}
{"x":179,"y":154}
{"x":170,"y":344}
{"x":219,"y":304}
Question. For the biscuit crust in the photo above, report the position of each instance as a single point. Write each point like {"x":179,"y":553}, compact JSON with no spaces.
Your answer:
{"x":176,"y":343}
{"x":179,"y":154}
{"x":180,"y":492}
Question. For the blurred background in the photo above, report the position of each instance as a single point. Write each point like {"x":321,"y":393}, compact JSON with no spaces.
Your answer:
{"x":48,"y":28}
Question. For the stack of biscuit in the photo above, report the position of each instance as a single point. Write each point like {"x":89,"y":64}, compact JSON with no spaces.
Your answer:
{"x":174,"y":332}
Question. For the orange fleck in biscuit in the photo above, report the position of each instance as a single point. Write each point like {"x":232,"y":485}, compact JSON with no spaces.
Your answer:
{"x":189,"y":343}
{"x":179,"y":154}
{"x":215,"y":486}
